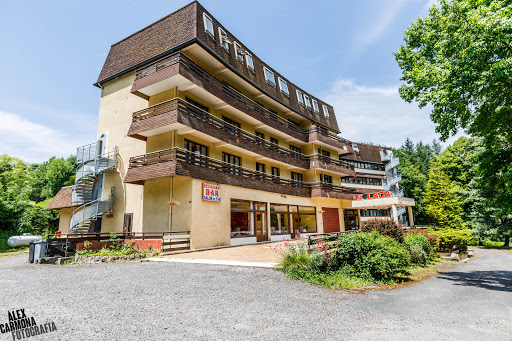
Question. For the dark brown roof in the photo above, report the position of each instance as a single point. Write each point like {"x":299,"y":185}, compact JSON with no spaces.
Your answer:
{"x":61,"y":200}
{"x":159,"y":37}
{"x":368,"y":153}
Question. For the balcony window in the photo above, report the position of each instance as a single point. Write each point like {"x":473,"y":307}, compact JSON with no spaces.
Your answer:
{"x":236,"y":161}
{"x":273,"y":140}
{"x":295,"y":149}
{"x":326,"y":111}
{"x":299,"y":97}
{"x":223,"y":37}
{"x":275,"y":171}
{"x":283,"y":86}
{"x":238,"y":52}
{"x":260,"y":167}
{"x":250,"y":63}
{"x":195,"y":148}
{"x":306,"y":100}
{"x":315,"y":106}
{"x":326,"y":179}
{"x":269,"y":77}
{"x":199,"y":105}
{"x":260,"y":135}
{"x":208,"y":24}
{"x":296,"y":176}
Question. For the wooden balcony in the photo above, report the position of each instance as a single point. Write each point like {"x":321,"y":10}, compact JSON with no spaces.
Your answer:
{"x":175,"y":161}
{"x":179,"y":70}
{"x":177,"y":113}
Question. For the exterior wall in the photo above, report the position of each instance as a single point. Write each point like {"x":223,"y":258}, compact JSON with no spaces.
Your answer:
{"x":65,"y":219}
{"x":210,"y":222}
{"x":117,"y":105}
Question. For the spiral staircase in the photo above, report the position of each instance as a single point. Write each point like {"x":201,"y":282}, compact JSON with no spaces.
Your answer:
{"x":91,"y":164}
{"x":393,"y":179}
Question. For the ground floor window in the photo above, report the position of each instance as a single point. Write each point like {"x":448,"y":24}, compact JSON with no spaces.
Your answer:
{"x":291,"y":219}
{"x":248,"y":219}
{"x":375,"y":213}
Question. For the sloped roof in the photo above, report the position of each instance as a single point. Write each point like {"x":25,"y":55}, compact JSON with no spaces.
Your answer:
{"x":367,"y":152}
{"x":61,"y":200}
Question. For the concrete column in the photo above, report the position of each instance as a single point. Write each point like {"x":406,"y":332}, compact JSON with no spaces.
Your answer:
{"x":411,"y":218}
{"x":342,"y":220}
{"x":359,"y":219}
{"x":395,"y":213}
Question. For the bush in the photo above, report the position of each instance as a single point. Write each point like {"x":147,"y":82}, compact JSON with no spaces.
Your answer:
{"x":371,"y":256}
{"x":451,"y":239}
{"x":419,"y":247}
{"x":386,"y":227}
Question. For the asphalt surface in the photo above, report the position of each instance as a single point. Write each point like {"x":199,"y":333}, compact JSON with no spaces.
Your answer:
{"x":171,"y":301}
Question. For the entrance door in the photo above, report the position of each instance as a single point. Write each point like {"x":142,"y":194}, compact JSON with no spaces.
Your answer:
{"x":331,"y":218}
{"x":351,"y":220}
{"x":260,"y":227}
{"x":296,"y":226}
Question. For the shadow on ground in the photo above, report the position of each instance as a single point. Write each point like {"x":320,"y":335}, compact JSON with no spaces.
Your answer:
{"x":491,"y":280}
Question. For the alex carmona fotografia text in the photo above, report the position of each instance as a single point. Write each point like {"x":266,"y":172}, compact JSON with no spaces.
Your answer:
{"x":22,"y":326}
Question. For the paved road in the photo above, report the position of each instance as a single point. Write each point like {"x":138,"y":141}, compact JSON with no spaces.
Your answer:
{"x":168,"y":301}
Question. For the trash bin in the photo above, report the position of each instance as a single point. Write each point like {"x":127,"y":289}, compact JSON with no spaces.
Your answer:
{"x":36,"y":250}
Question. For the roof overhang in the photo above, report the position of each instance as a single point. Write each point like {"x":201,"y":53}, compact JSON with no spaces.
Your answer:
{"x":382,"y":202}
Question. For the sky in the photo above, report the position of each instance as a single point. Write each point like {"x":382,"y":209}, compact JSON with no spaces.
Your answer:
{"x":341,"y":51}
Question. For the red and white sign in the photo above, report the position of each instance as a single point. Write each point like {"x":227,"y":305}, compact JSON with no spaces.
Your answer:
{"x":211,"y":192}
{"x":376,"y":195}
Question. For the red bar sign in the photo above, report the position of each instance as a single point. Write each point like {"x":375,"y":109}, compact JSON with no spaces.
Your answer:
{"x":376,"y":195}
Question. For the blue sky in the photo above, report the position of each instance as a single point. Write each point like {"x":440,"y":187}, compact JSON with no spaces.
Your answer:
{"x":341,"y":51}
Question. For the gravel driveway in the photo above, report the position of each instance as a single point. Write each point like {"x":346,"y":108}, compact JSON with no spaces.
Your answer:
{"x":171,"y":301}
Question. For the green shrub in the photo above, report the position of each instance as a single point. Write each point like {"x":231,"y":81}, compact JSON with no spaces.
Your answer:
{"x":452,"y":239}
{"x":419,"y":247}
{"x":371,"y":256}
{"x":386,"y":227}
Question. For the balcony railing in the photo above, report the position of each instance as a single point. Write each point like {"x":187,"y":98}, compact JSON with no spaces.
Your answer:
{"x":181,"y":155}
{"x":233,"y":93}
{"x":198,"y":113}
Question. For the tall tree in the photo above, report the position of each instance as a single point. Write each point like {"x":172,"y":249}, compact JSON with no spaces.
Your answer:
{"x":459,"y":59}
{"x":442,"y":201}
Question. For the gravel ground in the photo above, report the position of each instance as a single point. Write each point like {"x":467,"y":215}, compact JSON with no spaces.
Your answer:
{"x":170,"y":301}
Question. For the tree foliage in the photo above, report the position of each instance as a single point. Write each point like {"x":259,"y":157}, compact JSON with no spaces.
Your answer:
{"x":459,"y":60}
{"x":26,"y":189}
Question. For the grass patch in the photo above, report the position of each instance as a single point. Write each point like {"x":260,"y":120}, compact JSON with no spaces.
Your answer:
{"x":489,"y":244}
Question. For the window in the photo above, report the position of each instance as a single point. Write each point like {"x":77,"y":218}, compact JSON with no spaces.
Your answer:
{"x":315,"y":106}
{"x":195,"y":148}
{"x":248,"y":218}
{"x":275,"y":171}
{"x":273,"y":140}
{"x":299,"y":97}
{"x":283,"y":86}
{"x":375,"y":213}
{"x":326,"y":179}
{"x":260,"y":135}
{"x":306,"y":100}
{"x":230,"y":121}
{"x":223,"y":37}
{"x":324,"y":152}
{"x":238,"y":52}
{"x":290,"y":219}
{"x":260,"y":167}
{"x":127,"y":226}
{"x":295,"y":149}
{"x":269,"y":77}
{"x":296,"y":176}
{"x":326,"y":111}
{"x":199,"y":105}
{"x":208,"y":24}
{"x":250,"y":63}
{"x":236,"y":161}
{"x":363,"y":181}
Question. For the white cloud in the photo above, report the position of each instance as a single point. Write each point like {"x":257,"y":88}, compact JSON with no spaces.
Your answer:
{"x":379,"y":115}
{"x":33,"y":142}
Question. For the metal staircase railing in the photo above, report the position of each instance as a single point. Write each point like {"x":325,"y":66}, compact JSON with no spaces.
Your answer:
{"x":91,"y":164}
{"x":84,"y":215}
{"x":391,"y":182}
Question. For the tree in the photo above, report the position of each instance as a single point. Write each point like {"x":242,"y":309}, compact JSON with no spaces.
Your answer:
{"x":414,"y":166}
{"x":442,"y":201}
{"x":47,"y":178}
{"x":459,"y":59}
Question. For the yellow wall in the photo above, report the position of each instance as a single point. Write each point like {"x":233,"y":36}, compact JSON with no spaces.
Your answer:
{"x":65,"y":219}
{"x":117,"y":105}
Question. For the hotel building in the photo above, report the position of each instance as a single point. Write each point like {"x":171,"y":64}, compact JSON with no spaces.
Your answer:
{"x":197,"y":133}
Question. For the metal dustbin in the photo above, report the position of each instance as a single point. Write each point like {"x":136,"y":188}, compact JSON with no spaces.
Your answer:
{"x":36,"y":250}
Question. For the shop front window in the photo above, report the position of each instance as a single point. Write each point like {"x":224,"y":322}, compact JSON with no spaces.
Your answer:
{"x":292,"y":219}
{"x":248,"y":219}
